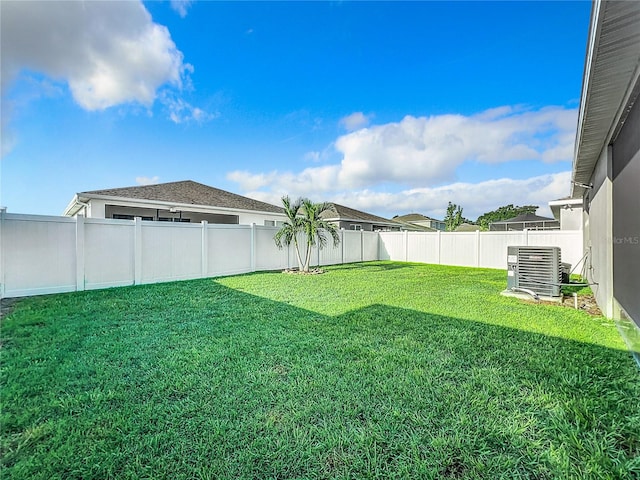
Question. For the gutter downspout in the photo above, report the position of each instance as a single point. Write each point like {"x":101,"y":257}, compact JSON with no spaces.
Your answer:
{"x":82,"y":204}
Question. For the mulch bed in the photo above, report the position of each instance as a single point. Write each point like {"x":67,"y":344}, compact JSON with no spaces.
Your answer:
{"x":586,"y":303}
{"x":295,"y":271}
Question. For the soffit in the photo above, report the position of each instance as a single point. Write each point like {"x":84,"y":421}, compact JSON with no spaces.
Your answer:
{"x":611,"y":71}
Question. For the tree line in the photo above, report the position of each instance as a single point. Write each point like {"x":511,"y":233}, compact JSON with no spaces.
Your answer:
{"x":453,"y":219}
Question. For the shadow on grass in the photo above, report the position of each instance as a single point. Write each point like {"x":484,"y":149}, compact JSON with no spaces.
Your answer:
{"x":197,"y":380}
{"x":370,"y":266}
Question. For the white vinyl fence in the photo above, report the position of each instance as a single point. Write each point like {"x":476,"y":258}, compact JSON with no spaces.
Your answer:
{"x":476,"y":249}
{"x":47,"y":254}
{"x":43,"y":254}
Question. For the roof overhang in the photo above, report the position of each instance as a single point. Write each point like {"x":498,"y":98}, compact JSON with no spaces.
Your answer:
{"x":569,"y":203}
{"x":81,"y":199}
{"x":610,"y":84}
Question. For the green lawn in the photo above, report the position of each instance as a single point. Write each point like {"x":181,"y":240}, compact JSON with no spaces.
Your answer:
{"x":378,"y":370}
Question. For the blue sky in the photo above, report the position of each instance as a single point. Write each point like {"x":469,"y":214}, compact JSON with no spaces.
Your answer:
{"x":386,"y":107}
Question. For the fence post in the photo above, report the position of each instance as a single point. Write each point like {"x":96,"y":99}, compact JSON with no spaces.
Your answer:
{"x":526,"y":237}
{"x":342,"y":245}
{"x":3,"y":211}
{"x":406,"y":245}
{"x":477,"y":248}
{"x":439,"y":245}
{"x":362,"y":245}
{"x":252,"y":253}
{"x":137,"y":251}
{"x":80,"y":280}
{"x":205,"y":248}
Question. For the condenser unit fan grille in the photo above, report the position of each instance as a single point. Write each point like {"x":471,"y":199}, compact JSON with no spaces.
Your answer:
{"x":538,"y":269}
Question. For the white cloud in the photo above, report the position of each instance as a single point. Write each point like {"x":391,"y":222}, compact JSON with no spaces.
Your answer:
{"x":355,"y":121}
{"x":417,"y":160}
{"x":147,"y":180}
{"x":181,"y":6}
{"x":475,"y":198}
{"x":109,"y":53}
{"x":427,"y":151}
{"x":181,"y":111}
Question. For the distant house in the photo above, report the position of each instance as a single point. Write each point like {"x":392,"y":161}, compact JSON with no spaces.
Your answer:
{"x":351,"y":219}
{"x":421,"y":220}
{"x":185,"y":201}
{"x":528,"y":221}
{"x":568,"y":211}
{"x":467,"y":227}
{"x":412,"y":227}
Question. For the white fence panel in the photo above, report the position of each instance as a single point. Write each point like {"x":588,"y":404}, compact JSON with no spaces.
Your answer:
{"x":423,"y":247}
{"x":268,"y":256}
{"x":458,"y":248}
{"x":331,"y":255}
{"x":570,"y":243}
{"x":493,"y":247}
{"x":108,"y":253}
{"x":170,"y":251}
{"x":229,"y":248}
{"x":38,"y":255}
{"x":392,"y":246}
{"x":352,"y":246}
{"x":370,"y":246}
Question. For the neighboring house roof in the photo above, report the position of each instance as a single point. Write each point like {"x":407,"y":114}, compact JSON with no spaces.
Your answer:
{"x":610,"y":85}
{"x":525,"y":217}
{"x":185,"y":192}
{"x":414,"y":217}
{"x":412,"y":227}
{"x":467,"y":227}
{"x":341,"y":213}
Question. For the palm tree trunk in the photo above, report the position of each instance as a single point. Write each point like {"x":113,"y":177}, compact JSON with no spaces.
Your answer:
{"x":308,"y":259}
{"x":295,"y":243}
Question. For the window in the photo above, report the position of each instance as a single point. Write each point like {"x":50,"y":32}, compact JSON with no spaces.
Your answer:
{"x":354,"y":226}
{"x":118,"y":216}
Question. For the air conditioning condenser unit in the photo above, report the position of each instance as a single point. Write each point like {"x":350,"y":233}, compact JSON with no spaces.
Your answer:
{"x":538,"y":269}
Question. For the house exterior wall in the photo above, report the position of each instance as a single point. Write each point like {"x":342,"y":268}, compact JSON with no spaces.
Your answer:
{"x":598,"y":237}
{"x":626,"y":217}
{"x":364,"y":226}
{"x":347,"y":225}
{"x":104,"y":208}
{"x":431,"y":223}
{"x":571,"y":218}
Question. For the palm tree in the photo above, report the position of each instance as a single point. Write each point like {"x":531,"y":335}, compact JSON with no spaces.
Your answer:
{"x":292,"y":226}
{"x":304,"y":216}
{"x":316,"y":228}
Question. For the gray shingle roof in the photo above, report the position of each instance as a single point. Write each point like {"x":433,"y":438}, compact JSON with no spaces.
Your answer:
{"x":188,"y":192}
{"x":412,"y":227}
{"x":342,"y":212}
{"x":413,"y":217}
